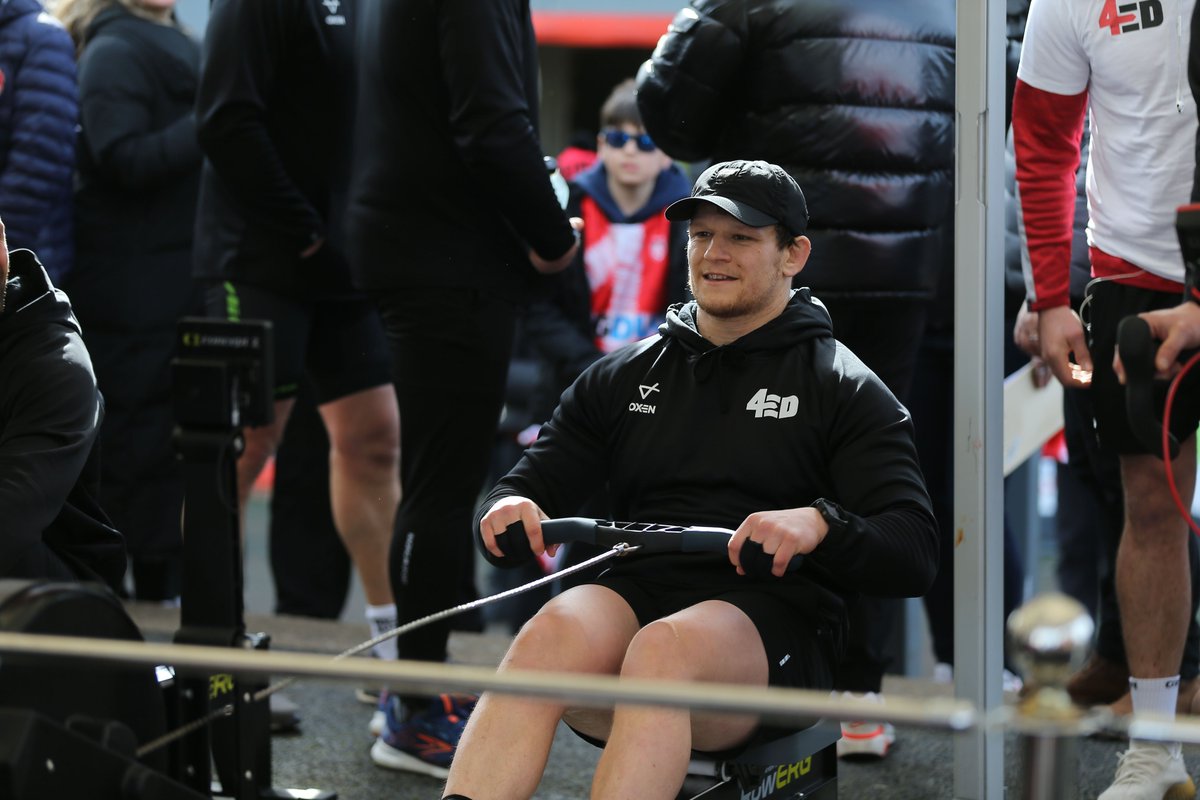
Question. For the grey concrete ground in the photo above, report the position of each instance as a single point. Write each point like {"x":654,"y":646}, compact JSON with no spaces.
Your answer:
{"x":330,"y":750}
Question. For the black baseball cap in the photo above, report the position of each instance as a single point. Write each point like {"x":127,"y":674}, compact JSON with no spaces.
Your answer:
{"x":757,"y":193}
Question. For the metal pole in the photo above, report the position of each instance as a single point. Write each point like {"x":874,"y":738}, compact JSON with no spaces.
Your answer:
{"x":978,"y":374}
{"x":1050,"y":636}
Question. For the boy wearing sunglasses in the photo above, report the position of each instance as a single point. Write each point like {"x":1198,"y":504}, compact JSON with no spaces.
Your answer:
{"x":632,"y":263}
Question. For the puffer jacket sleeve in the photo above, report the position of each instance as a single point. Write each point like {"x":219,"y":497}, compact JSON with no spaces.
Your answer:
{"x":681,"y":90}
{"x":41,"y":157}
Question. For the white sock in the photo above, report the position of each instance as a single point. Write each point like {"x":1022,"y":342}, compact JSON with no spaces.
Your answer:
{"x":1156,"y":696}
{"x":382,"y":619}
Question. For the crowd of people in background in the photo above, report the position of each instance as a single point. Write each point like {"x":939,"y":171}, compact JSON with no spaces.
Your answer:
{"x":408,"y":246}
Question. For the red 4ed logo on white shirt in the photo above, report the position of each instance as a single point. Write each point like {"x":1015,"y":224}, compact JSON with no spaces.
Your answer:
{"x":1121,"y":18}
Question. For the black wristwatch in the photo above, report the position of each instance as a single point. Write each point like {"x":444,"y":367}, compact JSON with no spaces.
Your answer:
{"x":832,"y":513}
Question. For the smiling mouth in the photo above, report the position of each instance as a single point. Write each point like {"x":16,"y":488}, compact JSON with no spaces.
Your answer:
{"x":715,"y":276}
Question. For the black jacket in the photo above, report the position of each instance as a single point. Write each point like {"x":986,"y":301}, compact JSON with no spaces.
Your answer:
{"x":273,"y":109}
{"x":855,"y":98}
{"x":50,"y":411}
{"x":449,"y":187}
{"x":688,"y":433}
{"x":139,"y":172}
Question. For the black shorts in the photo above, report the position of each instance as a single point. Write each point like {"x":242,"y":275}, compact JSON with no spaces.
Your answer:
{"x":803,"y":645}
{"x":339,"y":343}
{"x":1108,"y":303}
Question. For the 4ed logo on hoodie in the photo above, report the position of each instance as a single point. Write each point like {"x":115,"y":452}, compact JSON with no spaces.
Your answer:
{"x":1129,"y":17}
{"x":764,"y":404}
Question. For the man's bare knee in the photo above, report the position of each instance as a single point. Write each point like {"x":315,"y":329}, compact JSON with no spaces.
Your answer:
{"x":363,"y":434}
{"x":369,"y":450}
{"x":552,"y":639}
{"x":659,"y":650}
{"x":558,"y":638}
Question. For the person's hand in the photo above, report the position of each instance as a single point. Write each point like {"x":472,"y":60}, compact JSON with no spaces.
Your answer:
{"x":507,"y":511}
{"x":562,"y":262}
{"x":1061,"y":335}
{"x":1025,"y":332}
{"x":782,"y":534}
{"x":1027,"y":339}
{"x":312,"y":249}
{"x":1177,"y":328}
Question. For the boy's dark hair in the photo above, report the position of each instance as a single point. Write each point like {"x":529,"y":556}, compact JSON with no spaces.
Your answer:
{"x":621,"y":106}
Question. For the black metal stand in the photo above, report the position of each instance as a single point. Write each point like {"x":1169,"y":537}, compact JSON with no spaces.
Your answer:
{"x":221,"y":377}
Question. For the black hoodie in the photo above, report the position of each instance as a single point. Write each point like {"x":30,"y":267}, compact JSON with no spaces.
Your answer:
{"x":689,"y":433}
{"x":50,"y":411}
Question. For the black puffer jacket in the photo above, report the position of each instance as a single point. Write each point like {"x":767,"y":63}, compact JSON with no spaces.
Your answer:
{"x":855,"y":98}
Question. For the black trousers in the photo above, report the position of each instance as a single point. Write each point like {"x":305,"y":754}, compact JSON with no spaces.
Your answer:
{"x":450,"y":352}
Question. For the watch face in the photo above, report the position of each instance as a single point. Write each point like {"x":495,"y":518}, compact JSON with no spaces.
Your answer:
{"x":830,"y":512}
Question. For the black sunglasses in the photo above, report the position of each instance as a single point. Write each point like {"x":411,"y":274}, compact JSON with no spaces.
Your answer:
{"x":617,"y":138}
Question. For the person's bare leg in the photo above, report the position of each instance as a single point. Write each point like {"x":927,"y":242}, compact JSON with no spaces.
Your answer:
{"x":260,"y":444}
{"x":364,"y":482}
{"x":504,"y":748}
{"x":648,"y":752}
{"x":1153,"y":582}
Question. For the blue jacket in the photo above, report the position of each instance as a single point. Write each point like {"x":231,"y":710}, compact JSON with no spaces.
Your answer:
{"x":38,"y":114}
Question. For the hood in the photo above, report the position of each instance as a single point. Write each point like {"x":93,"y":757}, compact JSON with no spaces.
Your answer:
{"x":30,"y":298}
{"x":118,"y":18}
{"x":106,"y":17}
{"x":671,"y":185}
{"x":11,"y":9}
{"x":803,"y":319}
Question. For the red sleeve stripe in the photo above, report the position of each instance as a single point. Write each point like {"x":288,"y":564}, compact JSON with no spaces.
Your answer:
{"x":1046,"y":132}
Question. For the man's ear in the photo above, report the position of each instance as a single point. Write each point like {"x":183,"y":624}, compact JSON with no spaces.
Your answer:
{"x":797,"y":254}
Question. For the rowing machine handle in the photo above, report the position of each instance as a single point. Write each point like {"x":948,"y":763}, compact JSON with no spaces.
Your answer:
{"x":515,"y":544}
{"x":1136,"y":346}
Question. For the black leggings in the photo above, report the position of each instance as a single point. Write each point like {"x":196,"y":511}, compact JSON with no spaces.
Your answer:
{"x":450,"y":352}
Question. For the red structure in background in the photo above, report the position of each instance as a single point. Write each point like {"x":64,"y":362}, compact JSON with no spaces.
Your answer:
{"x":599,"y":29}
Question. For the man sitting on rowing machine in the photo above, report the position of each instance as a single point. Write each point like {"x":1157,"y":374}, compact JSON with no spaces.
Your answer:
{"x":742,"y":412}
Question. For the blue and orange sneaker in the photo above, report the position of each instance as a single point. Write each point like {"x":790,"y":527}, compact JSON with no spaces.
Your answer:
{"x":423,"y":741}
